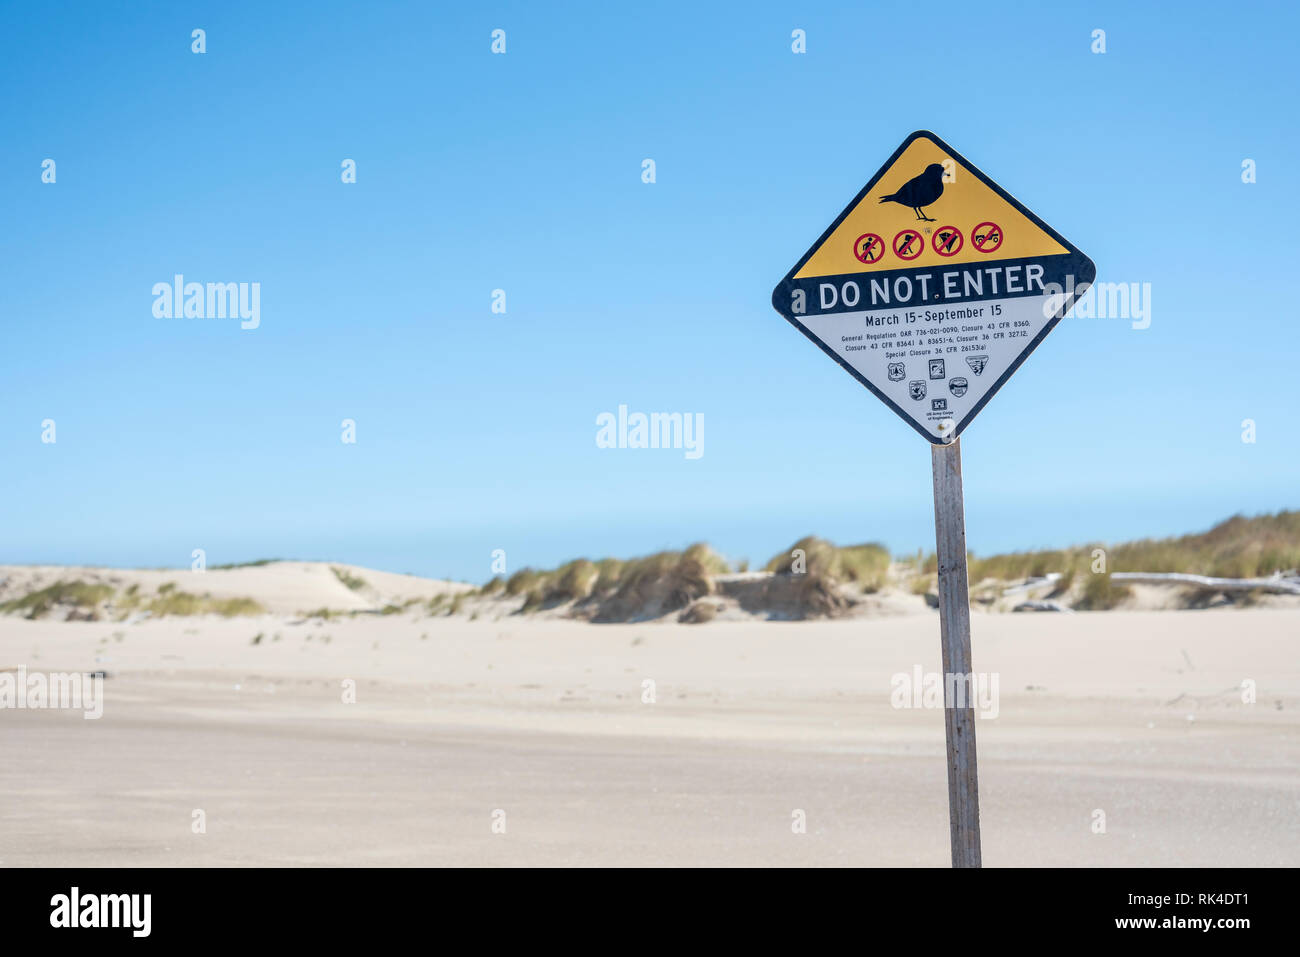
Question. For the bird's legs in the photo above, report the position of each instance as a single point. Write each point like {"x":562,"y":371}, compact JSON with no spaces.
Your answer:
{"x":921,"y":216}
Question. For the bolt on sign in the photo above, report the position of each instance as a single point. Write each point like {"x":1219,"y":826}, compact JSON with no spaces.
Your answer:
{"x":933,"y":286}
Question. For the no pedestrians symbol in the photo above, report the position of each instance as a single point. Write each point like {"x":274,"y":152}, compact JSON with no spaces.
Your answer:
{"x":868,"y":248}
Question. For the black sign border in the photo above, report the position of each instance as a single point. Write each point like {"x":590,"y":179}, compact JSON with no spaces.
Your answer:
{"x":1087,"y":272}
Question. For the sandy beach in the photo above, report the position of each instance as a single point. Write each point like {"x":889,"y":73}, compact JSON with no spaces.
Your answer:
{"x":1138,"y":714}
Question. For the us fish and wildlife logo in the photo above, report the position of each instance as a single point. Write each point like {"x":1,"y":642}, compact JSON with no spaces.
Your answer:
{"x":916,"y":389}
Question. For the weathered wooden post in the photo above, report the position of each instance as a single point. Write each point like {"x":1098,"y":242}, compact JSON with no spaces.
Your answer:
{"x":958,"y":676}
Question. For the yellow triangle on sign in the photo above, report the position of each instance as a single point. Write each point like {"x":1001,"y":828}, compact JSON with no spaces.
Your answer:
{"x":965,"y":220}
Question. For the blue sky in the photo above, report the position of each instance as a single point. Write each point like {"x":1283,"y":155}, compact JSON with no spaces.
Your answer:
{"x":522,"y":172}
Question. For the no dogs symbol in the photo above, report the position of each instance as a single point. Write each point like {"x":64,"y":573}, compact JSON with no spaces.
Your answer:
{"x":908,"y":244}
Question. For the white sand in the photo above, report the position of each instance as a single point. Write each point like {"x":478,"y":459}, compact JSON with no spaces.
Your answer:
{"x":1138,"y":714}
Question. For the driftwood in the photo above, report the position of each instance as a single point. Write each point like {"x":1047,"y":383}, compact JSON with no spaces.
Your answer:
{"x":1276,"y":584}
{"x":1281,"y":584}
{"x":1031,"y":584}
{"x":1043,"y":606}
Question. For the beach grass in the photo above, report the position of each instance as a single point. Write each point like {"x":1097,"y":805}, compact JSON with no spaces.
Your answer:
{"x":76,"y":594}
{"x":867,"y":566}
{"x":1239,"y":547}
{"x":352,"y":582}
{"x":184,"y":604}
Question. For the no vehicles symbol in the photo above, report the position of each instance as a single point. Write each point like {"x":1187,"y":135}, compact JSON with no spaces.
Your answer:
{"x":869,"y":248}
{"x":908,"y":244}
{"x":987,"y":237}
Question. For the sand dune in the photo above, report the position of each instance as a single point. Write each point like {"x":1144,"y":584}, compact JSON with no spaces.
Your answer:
{"x":285,"y":588}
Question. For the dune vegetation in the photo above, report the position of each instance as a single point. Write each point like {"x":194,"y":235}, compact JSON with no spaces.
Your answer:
{"x":1239,"y":547}
{"x":613,"y":589}
{"x":816,"y":578}
{"x":864,"y":565}
{"x":95,"y":601}
{"x":812,"y":578}
{"x":38,"y":604}
{"x":349,"y":581}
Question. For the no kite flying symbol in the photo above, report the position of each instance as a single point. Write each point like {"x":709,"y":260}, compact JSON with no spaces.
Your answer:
{"x":947,"y":241}
{"x":933,"y":266}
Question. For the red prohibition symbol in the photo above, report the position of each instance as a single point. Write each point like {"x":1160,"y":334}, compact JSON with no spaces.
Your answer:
{"x":947,"y":241}
{"x":987,"y":237}
{"x":908,"y":244}
{"x":869,"y":248}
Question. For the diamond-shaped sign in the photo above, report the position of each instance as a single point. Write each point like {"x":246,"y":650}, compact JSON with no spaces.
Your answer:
{"x":933,"y":286}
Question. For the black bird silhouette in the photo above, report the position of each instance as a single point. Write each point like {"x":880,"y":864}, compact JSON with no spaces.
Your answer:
{"x":919,"y":191}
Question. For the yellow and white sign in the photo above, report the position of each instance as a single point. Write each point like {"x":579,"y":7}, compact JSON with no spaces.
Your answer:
{"x":933,"y":286}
